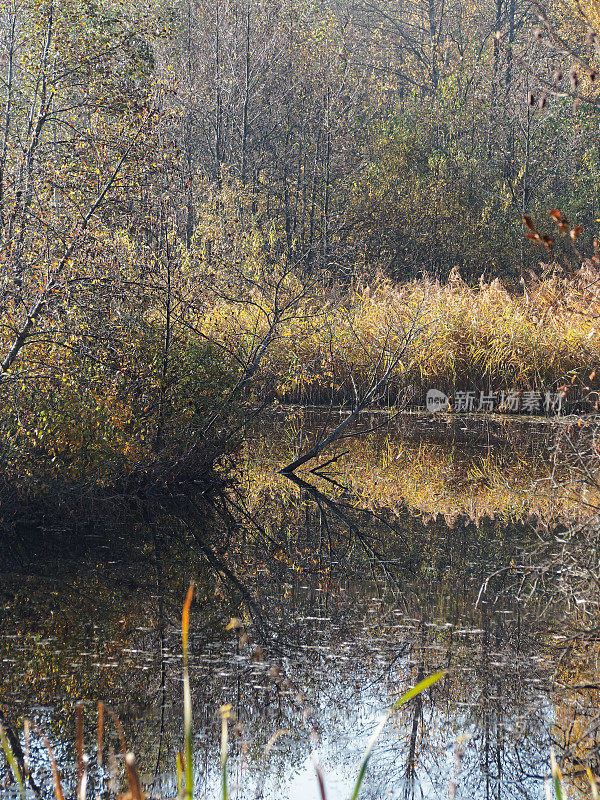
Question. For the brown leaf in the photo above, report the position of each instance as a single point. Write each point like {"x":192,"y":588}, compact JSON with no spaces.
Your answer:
{"x":576,"y":231}
{"x":574,"y":78}
{"x":548,"y":241}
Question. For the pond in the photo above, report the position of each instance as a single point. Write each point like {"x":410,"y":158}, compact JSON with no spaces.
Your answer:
{"x":424,"y":545}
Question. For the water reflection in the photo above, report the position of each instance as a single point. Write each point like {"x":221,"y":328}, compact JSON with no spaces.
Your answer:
{"x":355,"y":582}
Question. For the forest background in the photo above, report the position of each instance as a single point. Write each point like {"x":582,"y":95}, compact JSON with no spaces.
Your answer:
{"x":213,"y":206}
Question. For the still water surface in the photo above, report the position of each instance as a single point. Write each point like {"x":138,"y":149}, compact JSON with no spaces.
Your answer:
{"x":415,"y":551}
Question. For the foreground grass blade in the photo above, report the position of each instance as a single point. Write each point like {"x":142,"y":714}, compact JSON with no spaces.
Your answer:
{"x":12,"y":761}
{"x":273,"y":739}
{"x":55,"y":774}
{"x":79,"y":743}
{"x":26,"y":748}
{"x":187,"y":697}
{"x":100,"y":736}
{"x":82,"y":791}
{"x":179,"y":763}
{"x":556,"y":777}
{"x":320,"y":780}
{"x":420,"y":687}
{"x":118,"y":725}
{"x":367,"y":754}
{"x":593,"y":785}
{"x":225,"y":712}
{"x":133,"y":778}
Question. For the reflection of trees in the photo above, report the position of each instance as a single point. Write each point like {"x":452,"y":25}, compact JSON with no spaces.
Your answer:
{"x":354,"y":598}
{"x":574,"y":647}
{"x":433,"y":574}
{"x":479,"y":468}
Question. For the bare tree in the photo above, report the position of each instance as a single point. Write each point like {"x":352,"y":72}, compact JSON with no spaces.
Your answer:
{"x":388,"y":362}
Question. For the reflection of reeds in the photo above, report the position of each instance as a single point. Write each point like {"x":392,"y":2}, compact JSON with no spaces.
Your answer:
{"x":431,"y":478}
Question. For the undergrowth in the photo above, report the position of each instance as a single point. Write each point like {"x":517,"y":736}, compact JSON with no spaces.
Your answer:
{"x":70,"y":416}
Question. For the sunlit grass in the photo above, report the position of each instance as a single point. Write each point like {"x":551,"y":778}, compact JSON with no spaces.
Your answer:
{"x":464,"y":337}
{"x":103,"y":421}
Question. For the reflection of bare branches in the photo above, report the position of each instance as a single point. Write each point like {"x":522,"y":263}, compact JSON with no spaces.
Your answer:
{"x":411,"y":761}
{"x":226,"y":574}
{"x":162,"y":653}
{"x":559,"y":572}
{"x":336,"y":509}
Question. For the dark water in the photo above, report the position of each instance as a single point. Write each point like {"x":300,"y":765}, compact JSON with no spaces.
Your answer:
{"x":418,"y":550}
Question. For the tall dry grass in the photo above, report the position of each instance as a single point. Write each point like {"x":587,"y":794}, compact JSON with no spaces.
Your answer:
{"x":484,"y":338}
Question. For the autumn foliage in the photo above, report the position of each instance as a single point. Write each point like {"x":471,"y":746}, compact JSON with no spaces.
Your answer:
{"x":203,"y":208}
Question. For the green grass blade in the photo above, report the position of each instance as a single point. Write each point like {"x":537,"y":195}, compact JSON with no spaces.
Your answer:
{"x":558,"y":789}
{"x":224,"y":779}
{"x":367,"y":754}
{"x":556,"y":777}
{"x":180,"y":771}
{"x":420,"y":687}
{"x":12,"y":762}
